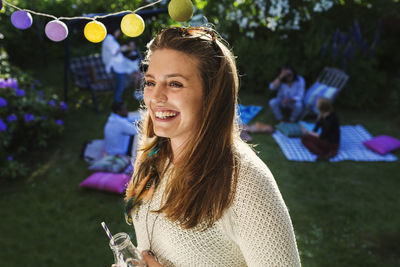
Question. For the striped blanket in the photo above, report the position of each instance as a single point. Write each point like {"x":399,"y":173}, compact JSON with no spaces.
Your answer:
{"x":351,"y":146}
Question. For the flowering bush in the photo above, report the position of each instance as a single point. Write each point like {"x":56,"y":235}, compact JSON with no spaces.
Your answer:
{"x":28,"y":120}
{"x":250,"y":15}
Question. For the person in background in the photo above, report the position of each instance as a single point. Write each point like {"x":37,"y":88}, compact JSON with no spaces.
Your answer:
{"x":326,"y":144}
{"x":133,"y":53}
{"x":199,"y":195}
{"x":291,"y":87}
{"x":119,"y":131}
{"x":115,"y":62}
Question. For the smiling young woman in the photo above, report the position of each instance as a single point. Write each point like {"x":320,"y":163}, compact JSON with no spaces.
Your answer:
{"x":173,"y":95}
{"x":199,"y":195}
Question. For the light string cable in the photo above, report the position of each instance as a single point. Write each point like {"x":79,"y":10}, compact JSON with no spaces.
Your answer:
{"x":79,"y":17}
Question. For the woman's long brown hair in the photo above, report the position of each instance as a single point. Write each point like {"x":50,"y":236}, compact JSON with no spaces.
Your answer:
{"x":203,"y":182}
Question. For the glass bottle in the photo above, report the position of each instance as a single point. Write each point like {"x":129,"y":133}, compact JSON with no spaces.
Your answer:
{"x":125,"y":253}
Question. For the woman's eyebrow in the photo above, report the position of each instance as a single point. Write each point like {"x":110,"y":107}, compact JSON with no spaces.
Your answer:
{"x":149,"y":75}
{"x":172,"y":75}
{"x":177,"y":75}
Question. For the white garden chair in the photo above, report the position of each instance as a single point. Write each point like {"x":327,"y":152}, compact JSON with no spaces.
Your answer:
{"x":328,"y":84}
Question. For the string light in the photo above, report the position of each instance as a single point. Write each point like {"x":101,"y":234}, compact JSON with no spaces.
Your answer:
{"x":132,"y":25}
{"x":95,"y":31}
{"x":56,"y":30}
{"x":180,"y":10}
{"x":21,"y":20}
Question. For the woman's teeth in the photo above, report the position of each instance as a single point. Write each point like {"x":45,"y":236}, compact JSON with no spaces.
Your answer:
{"x":164,"y":115}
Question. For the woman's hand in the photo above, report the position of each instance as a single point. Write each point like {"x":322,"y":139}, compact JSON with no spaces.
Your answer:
{"x":284,"y":73}
{"x":150,"y":261}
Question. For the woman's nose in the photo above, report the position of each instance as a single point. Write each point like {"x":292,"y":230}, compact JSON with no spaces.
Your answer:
{"x":159,"y":94}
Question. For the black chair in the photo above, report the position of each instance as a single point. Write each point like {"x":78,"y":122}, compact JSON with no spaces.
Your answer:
{"x":89,"y":73}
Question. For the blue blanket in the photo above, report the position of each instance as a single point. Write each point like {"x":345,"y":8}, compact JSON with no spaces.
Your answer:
{"x":351,"y":146}
{"x":247,"y":113}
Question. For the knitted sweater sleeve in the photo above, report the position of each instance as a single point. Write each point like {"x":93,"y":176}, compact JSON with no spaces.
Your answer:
{"x":261,"y":224}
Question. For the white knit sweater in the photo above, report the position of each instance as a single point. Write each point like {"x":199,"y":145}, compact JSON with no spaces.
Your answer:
{"x":255,"y":231}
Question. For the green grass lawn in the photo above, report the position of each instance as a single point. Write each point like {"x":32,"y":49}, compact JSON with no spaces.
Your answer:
{"x":344,"y":214}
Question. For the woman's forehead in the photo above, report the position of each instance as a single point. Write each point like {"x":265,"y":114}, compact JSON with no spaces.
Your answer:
{"x":172,"y":61}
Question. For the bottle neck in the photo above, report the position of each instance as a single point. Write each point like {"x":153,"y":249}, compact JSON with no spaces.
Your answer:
{"x":120,"y":241}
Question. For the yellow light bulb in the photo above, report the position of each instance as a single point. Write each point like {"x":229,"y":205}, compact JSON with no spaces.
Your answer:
{"x":132,"y":25}
{"x":180,"y":10}
{"x":95,"y":31}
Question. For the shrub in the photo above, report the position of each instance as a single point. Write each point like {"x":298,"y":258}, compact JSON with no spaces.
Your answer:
{"x":28,"y":119}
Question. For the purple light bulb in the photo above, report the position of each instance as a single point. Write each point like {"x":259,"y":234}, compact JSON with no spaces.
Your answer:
{"x":21,"y":19}
{"x":56,"y":30}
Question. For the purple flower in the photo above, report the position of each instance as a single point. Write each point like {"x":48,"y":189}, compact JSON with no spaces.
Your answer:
{"x":336,"y":35}
{"x":357,"y":33}
{"x":10,"y":82}
{"x":377,"y":35}
{"x":40,"y":94}
{"x":52,"y":103}
{"x":3,"y":126}
{"x":2,"y":83}
{"x":19,"y":92}
{"x":3,"y":102}
{"x":13,"y":83}
{"x":12,"y":118}
{"x":60,"y":122}
{"x":63,"y":106}
{"x":343,"y":39}
{"x":29,"y":117}
{"x":34,"y":83}
{"x":334,"y":51}
{"x":349,"y":52}
{"x":9,"y":158}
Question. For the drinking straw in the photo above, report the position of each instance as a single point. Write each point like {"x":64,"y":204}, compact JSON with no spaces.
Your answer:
{"x":112,"y":239}
{"x":107,"y":231}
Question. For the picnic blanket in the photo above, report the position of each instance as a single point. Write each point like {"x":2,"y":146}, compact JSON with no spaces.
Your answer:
{"x":351,"y":146}
{"x":247,"y":113}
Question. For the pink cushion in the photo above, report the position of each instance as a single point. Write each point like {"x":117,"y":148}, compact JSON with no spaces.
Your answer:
{"x":382,"y":144}
{"x":106,"y":181}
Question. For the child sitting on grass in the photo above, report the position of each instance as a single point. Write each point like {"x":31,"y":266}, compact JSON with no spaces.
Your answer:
{"x":326,"y":144}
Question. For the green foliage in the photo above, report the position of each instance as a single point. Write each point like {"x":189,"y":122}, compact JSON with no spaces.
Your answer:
{"x":369,"y":60}
{"x":28,"y":118}
{"x":255,"y":77}
{"x":265,"y":35}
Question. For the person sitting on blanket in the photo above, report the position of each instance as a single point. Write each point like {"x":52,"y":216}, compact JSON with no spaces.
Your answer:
{"x":326,"y":144}
{"x":291,"y":87}
{"x":119,"y":131}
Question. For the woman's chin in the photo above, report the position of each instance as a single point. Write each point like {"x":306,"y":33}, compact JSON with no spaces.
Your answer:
{"x":161,"y":133}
